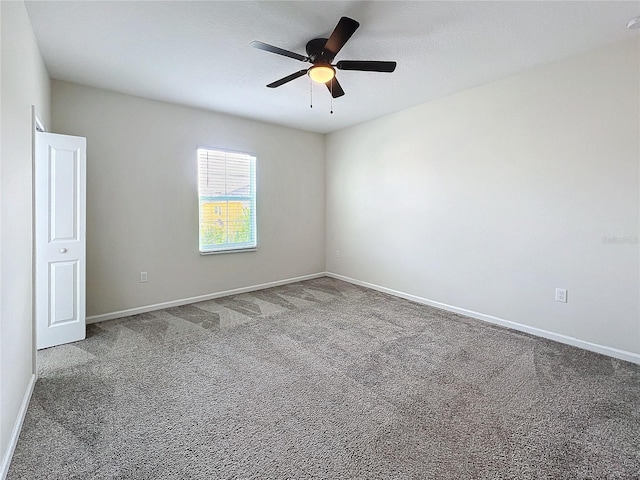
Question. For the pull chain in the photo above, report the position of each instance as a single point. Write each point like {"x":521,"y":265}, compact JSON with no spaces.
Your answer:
{"x":311,"y":95}
{"x":331,"y":97}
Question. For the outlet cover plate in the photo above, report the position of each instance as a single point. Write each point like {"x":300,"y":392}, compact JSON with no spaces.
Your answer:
{"x":561,"y":295}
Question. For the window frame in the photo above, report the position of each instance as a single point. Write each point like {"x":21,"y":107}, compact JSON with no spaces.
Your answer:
{"x":229,"y":248}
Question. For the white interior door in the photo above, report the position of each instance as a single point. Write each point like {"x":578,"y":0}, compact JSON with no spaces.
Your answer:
{"x":60,"y":250}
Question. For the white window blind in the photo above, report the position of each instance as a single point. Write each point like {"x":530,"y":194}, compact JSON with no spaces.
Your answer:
{"x":227,"y":198}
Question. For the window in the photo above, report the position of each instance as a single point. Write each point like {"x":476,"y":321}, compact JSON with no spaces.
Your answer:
{"x":227,"y":198}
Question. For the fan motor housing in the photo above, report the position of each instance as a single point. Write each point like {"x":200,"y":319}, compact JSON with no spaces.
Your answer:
{"x":314,"y":50}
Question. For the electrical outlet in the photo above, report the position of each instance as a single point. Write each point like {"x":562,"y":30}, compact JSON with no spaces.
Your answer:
{"x":337,"y":253}
{"x":561,"y":295}
{"x":143,"y":277}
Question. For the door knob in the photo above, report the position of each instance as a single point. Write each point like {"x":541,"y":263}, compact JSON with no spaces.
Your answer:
{"x":63,"y":250}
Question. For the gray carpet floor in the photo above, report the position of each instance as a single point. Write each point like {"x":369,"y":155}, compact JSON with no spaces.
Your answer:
{"x":323,"y":379}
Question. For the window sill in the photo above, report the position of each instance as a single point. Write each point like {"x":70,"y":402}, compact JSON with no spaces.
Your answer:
{"x":234,"y":250}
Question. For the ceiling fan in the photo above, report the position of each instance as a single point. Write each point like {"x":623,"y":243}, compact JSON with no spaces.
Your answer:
{"x":321,"y":52}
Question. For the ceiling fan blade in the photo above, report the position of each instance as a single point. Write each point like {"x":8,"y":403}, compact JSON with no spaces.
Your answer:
{"x":344,"y":29}
{"x":334,"y":87}
{"x":280,"y":51}
{"x":366,"y":66}
{"x":286,"y":79}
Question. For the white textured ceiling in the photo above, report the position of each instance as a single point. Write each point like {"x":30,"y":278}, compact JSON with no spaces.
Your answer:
{"x":198,"y":54}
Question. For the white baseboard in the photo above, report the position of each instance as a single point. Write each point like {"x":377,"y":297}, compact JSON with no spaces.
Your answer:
{"x":575,"y":342}
{"x":15,"y":433}
{"x":199,"y":298}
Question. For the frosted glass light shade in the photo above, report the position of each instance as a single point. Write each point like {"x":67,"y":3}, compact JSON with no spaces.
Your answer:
{"x":321,"y":73}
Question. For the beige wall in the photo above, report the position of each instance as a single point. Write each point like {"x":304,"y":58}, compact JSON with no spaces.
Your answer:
{"x":24,"y":83}
{"x":491,"y":198}
{"x":142,"y":208}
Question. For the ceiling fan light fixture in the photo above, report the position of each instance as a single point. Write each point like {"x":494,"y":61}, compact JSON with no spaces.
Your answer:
{"x":321,"y":73}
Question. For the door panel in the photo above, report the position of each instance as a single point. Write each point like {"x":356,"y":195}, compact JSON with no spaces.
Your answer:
{"x":64,"y":292}
{"x":63,"y":190}
{"x":60,"y":251}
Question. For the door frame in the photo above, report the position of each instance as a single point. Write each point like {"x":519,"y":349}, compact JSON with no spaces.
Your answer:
{"x":37,"y":125}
